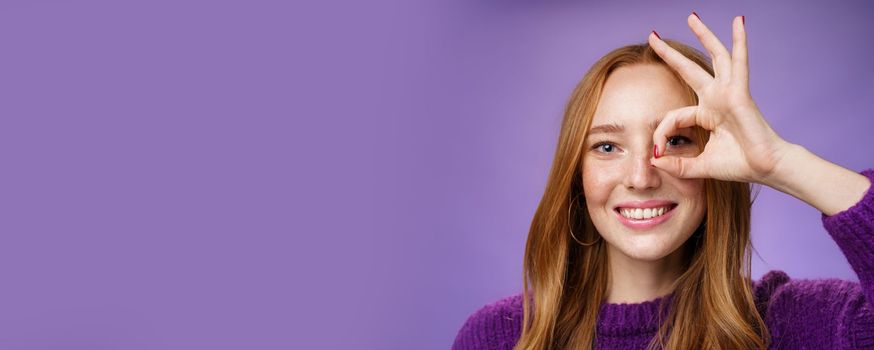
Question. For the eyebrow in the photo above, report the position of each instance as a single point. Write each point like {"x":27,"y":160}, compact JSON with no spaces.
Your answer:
{"x":615,"y":128}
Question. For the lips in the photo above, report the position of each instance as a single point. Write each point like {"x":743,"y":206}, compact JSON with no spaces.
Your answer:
{"x":644,"y":213}
{"x":645,"y":224}
{"x":652,"y":203}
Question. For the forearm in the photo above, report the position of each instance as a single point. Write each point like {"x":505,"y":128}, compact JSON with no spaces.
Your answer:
{"x":824,"y":185}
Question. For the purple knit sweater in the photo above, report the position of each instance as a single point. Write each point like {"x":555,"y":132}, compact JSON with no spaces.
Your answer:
{"x":800,"y":313}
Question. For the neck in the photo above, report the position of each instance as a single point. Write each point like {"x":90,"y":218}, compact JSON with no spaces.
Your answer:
{"x":636,"y":281}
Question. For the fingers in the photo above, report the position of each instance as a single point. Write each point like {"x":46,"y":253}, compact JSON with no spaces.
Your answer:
{"x":718,"y":52}
{"x":740,"y":66}
{"x":680,"y":167}
{"x":674,"y":120}
{"x":691,"y":72}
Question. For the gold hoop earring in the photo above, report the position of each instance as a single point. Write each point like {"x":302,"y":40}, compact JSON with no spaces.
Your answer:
{"x":570,"y":227}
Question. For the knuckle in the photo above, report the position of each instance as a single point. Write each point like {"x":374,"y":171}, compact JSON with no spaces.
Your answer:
{"x":681,"y":168}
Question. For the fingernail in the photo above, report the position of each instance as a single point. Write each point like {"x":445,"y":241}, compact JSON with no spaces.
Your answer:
{"x":655,"y":151}
{"x":696,"y":15}
{"x":742,"y":20}
{"x":657,"y":35}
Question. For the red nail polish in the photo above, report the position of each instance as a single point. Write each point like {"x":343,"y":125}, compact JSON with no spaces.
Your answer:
{"x":696,"y":15}
{"x":657,"y":34}
{"x":655,"y":151}
{"x":742,"y":20}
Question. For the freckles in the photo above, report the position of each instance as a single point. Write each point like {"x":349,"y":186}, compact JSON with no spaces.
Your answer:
{"x":595,"y":177}
{"x":600,"y":178}
{"x":597,"y":195}
{"x":692,"y":187}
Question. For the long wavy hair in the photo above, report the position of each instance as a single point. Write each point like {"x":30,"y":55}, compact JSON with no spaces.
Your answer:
{"x":712,"y":305}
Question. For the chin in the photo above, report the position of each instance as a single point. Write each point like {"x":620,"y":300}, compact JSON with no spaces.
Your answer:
{"x":644,"y":249}
{"x":648,"y":256}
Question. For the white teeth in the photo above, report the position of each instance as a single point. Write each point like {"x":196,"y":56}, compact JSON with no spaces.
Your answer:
{"x":641,"y":214}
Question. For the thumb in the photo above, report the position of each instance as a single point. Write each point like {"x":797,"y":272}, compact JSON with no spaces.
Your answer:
{"x":679,"y":166}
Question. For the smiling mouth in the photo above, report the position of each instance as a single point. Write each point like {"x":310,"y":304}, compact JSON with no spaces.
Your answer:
{"x":644,"y":214}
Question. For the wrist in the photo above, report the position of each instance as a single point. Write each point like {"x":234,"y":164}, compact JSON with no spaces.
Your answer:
{"x":787,"y":157}
{"x":826,"y":186}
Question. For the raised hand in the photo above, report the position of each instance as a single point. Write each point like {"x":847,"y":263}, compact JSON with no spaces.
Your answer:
{"x":742,"y":146}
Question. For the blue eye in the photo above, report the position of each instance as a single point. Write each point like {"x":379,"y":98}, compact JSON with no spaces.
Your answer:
{"x":676,"y":139}
{"x":604,"y":147}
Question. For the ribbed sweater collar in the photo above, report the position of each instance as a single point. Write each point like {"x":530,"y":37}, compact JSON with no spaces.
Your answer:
{"x":628,"y":319}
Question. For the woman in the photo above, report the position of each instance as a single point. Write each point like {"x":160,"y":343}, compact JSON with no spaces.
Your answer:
{"x":642,"y":237}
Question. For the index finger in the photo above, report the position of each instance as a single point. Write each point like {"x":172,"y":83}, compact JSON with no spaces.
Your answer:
{"x":680,"y":118}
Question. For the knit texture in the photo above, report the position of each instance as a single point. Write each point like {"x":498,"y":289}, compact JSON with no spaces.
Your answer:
{"x":799,"y":313}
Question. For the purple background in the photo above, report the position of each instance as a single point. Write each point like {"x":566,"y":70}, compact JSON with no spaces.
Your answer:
{"x":357,"y":175}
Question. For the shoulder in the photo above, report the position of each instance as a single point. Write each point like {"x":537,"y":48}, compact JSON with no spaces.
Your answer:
{"x":829,"y":310}
{"x":776,"y":288}
{"x":765,"y":288}
{"x":496,"y":325}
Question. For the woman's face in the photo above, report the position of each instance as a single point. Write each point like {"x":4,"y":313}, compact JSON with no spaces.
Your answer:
{"x":618,"y":179}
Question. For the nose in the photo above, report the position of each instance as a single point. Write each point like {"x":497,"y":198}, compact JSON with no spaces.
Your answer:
{"x":641,"y":175}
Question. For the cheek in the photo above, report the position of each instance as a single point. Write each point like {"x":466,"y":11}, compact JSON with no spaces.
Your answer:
{"x":693,"y":190}
{"x":597,"y":184}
